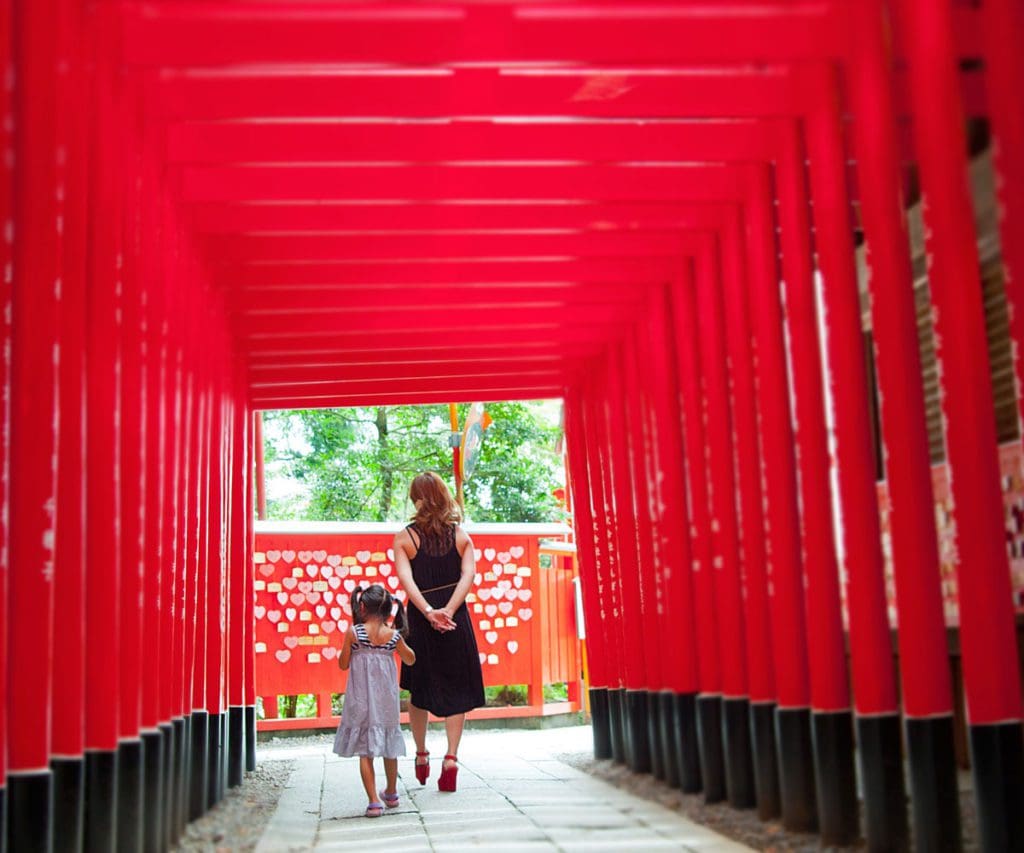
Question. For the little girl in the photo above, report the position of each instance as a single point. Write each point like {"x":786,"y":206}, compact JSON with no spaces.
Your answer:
{"x":369,"y":719}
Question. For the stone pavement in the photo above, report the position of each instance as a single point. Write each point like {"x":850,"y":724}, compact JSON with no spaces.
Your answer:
{"x":514,"y":794}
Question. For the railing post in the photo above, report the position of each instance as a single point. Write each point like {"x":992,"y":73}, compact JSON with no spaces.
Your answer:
{"x":924,"y":663}
{"x":718,"y":428}
{"x":103,"y":495}
{"x":760,"y":663}
{"x":35,"y":348}
{"x":988,"y":639}
{"x":131,"y":770}
{"x":796,"y":777}
{"x":876,"y":704}
{"x":590,"y":571}
{"x":69,"y":685}
{"x":831,"y":718}
{"x":709,"y":699}
{"x":6,"y":260}
{"x":535,"y":690}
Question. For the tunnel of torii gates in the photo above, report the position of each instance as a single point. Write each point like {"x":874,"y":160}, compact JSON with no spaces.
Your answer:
{"x":650,"y":210}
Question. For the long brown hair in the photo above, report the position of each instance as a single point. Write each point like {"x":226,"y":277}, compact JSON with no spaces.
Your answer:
{"x":436,"y":510}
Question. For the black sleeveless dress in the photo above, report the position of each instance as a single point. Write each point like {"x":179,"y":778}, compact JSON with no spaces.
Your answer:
{"x":446,"y":678}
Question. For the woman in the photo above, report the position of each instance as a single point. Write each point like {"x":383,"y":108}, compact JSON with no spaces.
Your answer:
{"x":435,"y":563}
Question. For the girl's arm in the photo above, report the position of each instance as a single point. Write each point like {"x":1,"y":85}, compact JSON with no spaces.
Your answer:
{"x":468,"y":571}
{"x":346,"y":649}
{"x":407,"y":655}
{"x":437,"y":618}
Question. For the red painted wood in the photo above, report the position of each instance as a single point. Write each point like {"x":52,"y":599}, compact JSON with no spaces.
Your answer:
{"x":720,"y":471}
{"x":620,"y":417}
{"x":216,"y":562}
{"x":6,"y":295}
{"x":249,"y":599}
{"x":688,"y":356}
{"x":35,"y":342}
{"x":103,"y":426}
{"x":861,"y":552}
{"x":641,"y":458}
{"x":987,"y":630}
{"x":750,"y":498}
{"x":667,"y":482}
{"x":826,"y":653}
{"x":1004,"y":66}
{"x":133,"y":436}
{"x":69,"y":687}
{"x":783,"y":522}
{"x":925,"y":683}
{"x":238,"y":563}
{"x":605,"y":529}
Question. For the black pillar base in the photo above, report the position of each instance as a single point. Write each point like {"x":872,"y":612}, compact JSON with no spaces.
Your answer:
{"x":881,"y":772}
{"x":131,"y":777}
{"x":617,"y":724}
{"x":199,"y":770}
{"x":68,"y":804}
{"x":835,"y":778}
{"x":236,"y":745}
{"x":214,"y":750}
{"x":656,"y":746}
{"x":667,"y":736}
{"x":739,"y":765}
{"x":935,"y":795}
{"x":766,"y":766}
{"x":687,"y":742}
{"x":182,"y":747}
{"x":637,"y":712}
{"x":796,"y":769}
{"x":3,"y":818}
{"x":101,"y":800}
{"x":170,"y":780}
{"x":250,"y":738}
{"x":30,"y":815}
{"x":600,"y":722}
{"x":712,"y":759}
{"x":997,"y":759}
{"x":153,"y":791}
{"x":222,"y":774}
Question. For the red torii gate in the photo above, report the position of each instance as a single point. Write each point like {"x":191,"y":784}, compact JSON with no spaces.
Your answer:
{"x":221,"y":207}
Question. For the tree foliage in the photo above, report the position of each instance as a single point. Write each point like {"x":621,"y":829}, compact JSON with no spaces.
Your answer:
{"x":356,"y":464}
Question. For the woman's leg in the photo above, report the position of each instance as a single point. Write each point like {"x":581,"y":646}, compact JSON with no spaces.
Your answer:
{"x":391,"y":775}
{"x":418,"y":724}
{"x":453,"y":726}
{"x":369,"y":778}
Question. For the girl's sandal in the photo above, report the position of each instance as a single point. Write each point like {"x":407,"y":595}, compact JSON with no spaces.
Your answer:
{"x":390,"y":800}
{"x":374,"y":810}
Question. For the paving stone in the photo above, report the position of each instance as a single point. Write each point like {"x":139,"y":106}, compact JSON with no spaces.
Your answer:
{"x":514,"y":794}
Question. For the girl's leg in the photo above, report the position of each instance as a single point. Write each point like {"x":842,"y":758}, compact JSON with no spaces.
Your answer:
{"x":369,"y":778}
{"x":391,"y":775}
{"x":453,"y":728}
{"x":418,"y":724}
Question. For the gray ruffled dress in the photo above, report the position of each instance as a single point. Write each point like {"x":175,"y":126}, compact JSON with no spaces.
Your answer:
{"x":369,"y":718}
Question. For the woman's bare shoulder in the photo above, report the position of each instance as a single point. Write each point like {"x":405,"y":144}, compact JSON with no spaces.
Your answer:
{"x":461,"y":539}
{"x":404,"y":541}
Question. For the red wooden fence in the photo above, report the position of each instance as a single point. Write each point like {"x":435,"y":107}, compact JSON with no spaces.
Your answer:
{"x":522,"y":608}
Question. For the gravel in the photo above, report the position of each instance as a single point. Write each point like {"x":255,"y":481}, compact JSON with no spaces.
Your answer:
{"x":737,"y":824}
{"x":237,"y":822}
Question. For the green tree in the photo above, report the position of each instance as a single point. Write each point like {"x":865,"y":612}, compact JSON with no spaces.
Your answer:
{"x":355,"y":464}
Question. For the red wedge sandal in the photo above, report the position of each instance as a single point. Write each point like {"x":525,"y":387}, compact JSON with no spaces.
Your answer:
{"x":448,"y":774}
{"x":422,"y":770}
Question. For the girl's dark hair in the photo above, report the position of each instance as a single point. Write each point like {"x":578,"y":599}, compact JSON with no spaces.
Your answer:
{"x":375,"y":600}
